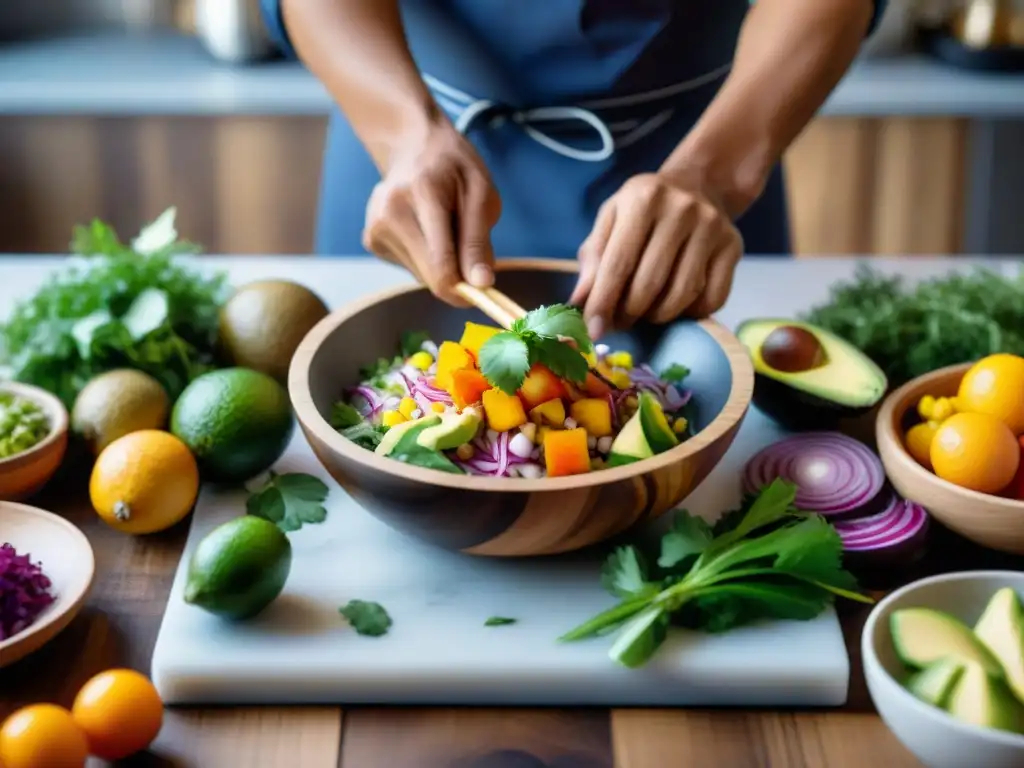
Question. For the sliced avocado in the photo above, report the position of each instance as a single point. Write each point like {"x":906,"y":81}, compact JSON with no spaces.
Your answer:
{"x":807,"y":377}
{"x":392,"y":436}
{"x":630,"y":444}
{"x":935,"y":683}
{"x":657,"y":430}
{"x":980,"y":699}
{"x":922,"y":636}
{"x":1001,"y":629}
{"x":454,"y":430}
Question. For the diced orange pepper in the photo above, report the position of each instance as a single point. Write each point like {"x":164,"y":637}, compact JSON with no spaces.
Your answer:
{"x":593,"y":414}
{"x":468,"y":386}
{"x":451,"y":357}
{"x":475,"y":335}
{"x":594,"y":387}
{"x":551,"y":412}
{"x":540,"y":385}
{"x":566,"y":452}
{"x":504,"y":412}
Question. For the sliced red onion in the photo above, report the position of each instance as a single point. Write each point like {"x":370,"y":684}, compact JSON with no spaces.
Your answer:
{"x":502,"y":452}
{"x":902,"y":521}
{"x":835,"y":475}
{"x":373,"y":403}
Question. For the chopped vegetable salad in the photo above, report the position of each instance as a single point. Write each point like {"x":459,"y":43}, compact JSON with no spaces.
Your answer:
{"x":537,"y":400}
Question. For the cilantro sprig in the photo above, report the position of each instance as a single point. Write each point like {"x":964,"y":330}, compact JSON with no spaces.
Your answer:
{"x":366,"y":617}
{"x":541,"y":336}
{"x":290,"y":500}
{"x":765,"y":560}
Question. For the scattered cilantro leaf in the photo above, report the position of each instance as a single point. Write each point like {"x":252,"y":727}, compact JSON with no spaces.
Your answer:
{"x":556,"y":320}
{"x":117,"y":305}
{"x":412,"y":341}
{"x":505,"y":361}
{"x":768,"y":560}
{"x":344,"y":415}
{"x":685,"y":541}
{"x":675,"y":373}
{"x":366,"y":618}
{"x":563,"y":360}
{"x":499,"y":621}
{"x":290,"y":500}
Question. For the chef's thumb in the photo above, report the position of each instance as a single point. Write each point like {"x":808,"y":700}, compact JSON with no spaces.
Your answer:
{"x":476,"y":253}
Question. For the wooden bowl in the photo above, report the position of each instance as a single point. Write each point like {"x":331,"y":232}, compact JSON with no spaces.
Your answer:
{"x":514,"y":516}
{"x":992,"y":521}
{"x":24,"y":474}
{"x":66,"y":558}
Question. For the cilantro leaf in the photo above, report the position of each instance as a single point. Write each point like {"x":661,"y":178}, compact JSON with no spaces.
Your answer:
{"x":344,"y":415}
{"x":625,"y":574}
{"x":562,"y":359}
{"x":366,"y":618}
{"x":772,"y":504}
{"x":733,"y":605}
{"x":554,"y":321}
{"x":290,"y":500}
{"x":505,"y":361}
{"x":675,"y":373}
{"x":364,"y":434}
{"x":499,"y":621}
{"x":412,"y":341}
{"x":688,"y":538}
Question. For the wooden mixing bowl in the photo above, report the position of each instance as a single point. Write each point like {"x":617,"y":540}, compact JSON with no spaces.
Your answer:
{"x":24,"y":474}
{"x":514,"y":516}
{"x":992,"y":521}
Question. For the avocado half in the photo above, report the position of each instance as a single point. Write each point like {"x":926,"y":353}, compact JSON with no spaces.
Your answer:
{"x":807,"y":378}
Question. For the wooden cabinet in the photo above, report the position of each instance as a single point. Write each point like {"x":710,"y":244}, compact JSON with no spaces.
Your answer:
{"x":250,"y":184}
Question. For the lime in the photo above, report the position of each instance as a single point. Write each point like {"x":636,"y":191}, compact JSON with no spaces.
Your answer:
{"x":236,"y":421}
{"x":239,"y":568}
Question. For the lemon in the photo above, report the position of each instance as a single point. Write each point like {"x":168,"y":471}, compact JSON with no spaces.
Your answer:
{"x":144,"y":482}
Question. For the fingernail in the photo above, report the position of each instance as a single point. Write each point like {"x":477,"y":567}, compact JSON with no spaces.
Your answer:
{"x":595,"y":327}
{"x":481,"y":275}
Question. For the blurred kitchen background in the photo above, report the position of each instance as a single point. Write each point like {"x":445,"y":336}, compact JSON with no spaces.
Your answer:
{"x":119,"y":108}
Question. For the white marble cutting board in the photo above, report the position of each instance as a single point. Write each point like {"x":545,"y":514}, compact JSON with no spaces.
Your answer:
{"x":439,"y":651}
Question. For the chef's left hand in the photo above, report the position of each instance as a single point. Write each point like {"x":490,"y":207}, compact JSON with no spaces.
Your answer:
{"x":657,"y":251}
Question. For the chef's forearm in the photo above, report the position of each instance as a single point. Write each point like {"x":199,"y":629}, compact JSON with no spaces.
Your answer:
{"x":791,"y":54}
{"x":357,"y":49}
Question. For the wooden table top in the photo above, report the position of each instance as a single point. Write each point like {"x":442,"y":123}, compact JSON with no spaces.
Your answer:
{"x":118,"y":627}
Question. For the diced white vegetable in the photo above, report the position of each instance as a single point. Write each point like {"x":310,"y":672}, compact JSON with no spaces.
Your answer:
{"x":391,"y":403}
{"x":416,"y":413}
{"x":530,"y":471}
{"x":520,"y":446}
{"x":569,"y":423}
{"x":601,"y":350}
{"x":591,"y":442}
{"x":513,"y":470}
{"x":604,"y":445}
{"x":429,"y":346}
{"x":492,"y":436}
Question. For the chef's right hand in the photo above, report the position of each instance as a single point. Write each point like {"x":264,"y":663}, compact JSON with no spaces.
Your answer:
{"x":433,"y":211}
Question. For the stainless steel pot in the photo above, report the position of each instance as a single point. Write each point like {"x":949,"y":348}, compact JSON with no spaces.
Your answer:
{"x":233,"y":30}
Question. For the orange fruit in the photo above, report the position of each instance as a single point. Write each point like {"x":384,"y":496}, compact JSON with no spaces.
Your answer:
{"x":919,"y":442}
{"x":120,"y":713}
{"x":976,"y":451}
{"x":42,"y":736}
{"x":995,"y":385}
{"x":144,"y":482}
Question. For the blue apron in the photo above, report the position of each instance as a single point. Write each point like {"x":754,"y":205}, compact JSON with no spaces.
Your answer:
{"x":563,"y":104}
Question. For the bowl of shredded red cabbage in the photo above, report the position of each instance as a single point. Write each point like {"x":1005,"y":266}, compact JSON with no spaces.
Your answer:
{"x":25,"y":591}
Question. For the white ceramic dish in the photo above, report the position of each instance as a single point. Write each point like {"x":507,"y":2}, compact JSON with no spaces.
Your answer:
{"x":936,"y":738}
{"x":66,"y":557}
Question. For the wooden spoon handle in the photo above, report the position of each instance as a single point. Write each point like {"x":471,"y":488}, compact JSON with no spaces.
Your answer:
{"x":493,"y":303}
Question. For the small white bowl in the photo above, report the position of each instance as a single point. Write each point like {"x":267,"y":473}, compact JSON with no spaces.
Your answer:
{"x":66,"y":557}
{"x":937,"y":739}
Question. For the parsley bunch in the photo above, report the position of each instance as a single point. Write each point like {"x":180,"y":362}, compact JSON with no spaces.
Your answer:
{"x":765,"y":560}
{"x":538,"y":337}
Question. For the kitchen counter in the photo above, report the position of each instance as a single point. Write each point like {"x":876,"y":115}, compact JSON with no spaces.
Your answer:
{"x":173,"y":74}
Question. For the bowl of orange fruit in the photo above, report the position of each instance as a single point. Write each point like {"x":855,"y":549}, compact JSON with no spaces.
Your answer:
{"x":952,"y":439}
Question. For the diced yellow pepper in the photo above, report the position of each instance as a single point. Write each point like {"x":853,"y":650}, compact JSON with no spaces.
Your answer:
{"x":591,"y":358}
{"x":936,"y":409}
{"x":593,"y":414}
{"x":475,"y":335}
{"x":504,"y":412}
{"x":549,"y":412}
{"x":421,"y":360}
{"x":620,"y":360}
{"x":437,"y":407}
{"x":621,"y":379}
{"x":450,"y":358}
{"x":679,"y":425}
{"x":406,"y":406}
{"x":392,"y":418}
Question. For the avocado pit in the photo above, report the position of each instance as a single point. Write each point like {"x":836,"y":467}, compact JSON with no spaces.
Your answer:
{"x":792,"y":349}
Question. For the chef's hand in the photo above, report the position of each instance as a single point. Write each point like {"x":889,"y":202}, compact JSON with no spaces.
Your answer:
{"x":433,"y":211}
{"x":657,"y":251}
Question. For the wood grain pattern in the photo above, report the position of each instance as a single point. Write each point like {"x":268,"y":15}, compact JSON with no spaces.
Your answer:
{"x":989,"y":520}
{"x":250,"y":184}
{"x":512,"y":516}
{"x":878,"y":186}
